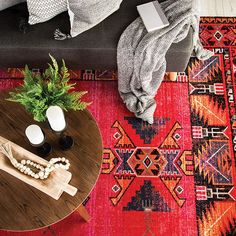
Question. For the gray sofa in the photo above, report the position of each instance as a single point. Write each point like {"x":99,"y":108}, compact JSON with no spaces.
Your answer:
{"x":95,"y":49}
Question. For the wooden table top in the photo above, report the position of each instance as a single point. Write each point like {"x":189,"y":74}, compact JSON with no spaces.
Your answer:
{"x":23,"y":207}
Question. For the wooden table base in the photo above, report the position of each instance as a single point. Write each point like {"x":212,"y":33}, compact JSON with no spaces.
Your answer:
{"x":84,"y":213}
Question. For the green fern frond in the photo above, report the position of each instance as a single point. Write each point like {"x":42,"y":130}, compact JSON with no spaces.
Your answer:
{"x":39,"y":91}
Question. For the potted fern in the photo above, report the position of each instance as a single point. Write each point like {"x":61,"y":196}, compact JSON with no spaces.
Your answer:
{"x":39,"y":91}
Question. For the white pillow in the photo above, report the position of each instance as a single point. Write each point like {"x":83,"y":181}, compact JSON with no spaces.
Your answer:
{"x":8,"y":3}
{"x":44,"y":10}
{"x":85,"y":14}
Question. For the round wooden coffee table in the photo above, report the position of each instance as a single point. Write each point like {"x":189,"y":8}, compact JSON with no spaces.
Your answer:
{"x":23,"y":207}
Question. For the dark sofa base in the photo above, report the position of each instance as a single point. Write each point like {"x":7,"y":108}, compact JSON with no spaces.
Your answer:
{"x":94,"y":49}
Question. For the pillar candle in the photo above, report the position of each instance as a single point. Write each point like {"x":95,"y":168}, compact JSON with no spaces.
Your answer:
{"x":34,"y":134}
{"x":56,"y":118}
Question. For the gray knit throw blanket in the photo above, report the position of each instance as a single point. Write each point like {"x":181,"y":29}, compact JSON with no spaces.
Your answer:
{"x":141,"y":56}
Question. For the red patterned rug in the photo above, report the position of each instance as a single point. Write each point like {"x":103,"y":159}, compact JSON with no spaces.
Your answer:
{"x":175,"y":177}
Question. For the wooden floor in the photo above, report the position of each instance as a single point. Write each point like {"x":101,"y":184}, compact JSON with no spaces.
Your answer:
{"x":217,"y":7}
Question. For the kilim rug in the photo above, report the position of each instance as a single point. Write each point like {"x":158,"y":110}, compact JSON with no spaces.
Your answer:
{"x":175,"y":177}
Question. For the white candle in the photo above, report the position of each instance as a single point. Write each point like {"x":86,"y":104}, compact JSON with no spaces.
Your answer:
{"x":34,"y":134}
{"x":56,"y":118}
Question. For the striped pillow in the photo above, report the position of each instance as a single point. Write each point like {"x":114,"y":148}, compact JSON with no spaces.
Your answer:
{"x":44,"y":10}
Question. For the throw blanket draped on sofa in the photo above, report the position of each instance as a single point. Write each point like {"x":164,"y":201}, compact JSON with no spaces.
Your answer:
{"x":141,"y":55}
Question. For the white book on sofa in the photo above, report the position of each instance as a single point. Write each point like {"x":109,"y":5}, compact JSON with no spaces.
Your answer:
{"x":152,"y":15}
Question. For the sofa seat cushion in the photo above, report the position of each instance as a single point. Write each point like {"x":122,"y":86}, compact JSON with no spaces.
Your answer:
{"x":95,"y":48}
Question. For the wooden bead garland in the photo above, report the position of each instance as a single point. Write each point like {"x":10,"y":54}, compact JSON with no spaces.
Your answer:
{"x":27,"y":166}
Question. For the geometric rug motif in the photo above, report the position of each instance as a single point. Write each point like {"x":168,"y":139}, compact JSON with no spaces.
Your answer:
{"x":147,"y":198}
{"x":146,"y":131}
{"x":213,"y":116}
{"x":166,"y":160}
